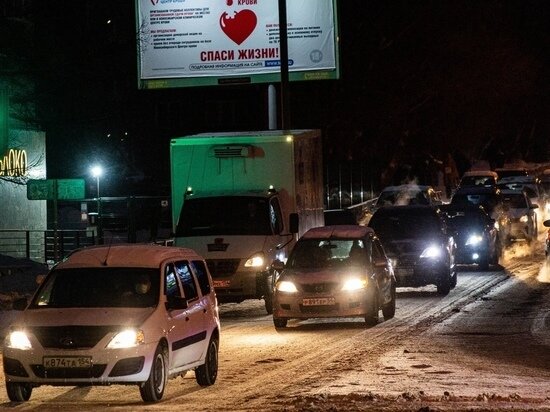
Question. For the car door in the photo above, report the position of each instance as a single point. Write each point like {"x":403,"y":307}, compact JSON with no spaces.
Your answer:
{"x":381,"y":271}
{"x":182,"y":323}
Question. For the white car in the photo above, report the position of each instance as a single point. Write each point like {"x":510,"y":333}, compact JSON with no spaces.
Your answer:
{"x":120,"y":314}
{"x":521,"y":213}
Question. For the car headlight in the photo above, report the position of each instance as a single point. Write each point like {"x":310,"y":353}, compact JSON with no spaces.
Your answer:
{"x":127,"y":339}
{"x":432,"y":251}
{"x":474,"y":240}
{"x":355,"y":284}
{"x":524,"y":219}
{"x":255,"y":261}
{"x":286,"y":286}
{"x":17,"y":339}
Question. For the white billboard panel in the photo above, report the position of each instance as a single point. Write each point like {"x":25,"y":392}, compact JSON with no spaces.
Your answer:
{"x":202,"y":42}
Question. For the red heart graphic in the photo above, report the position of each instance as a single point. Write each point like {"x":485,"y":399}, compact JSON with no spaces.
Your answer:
{"x":240,"y":26}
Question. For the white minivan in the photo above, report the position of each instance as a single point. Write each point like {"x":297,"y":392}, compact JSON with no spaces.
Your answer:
{"x":121,"y":314}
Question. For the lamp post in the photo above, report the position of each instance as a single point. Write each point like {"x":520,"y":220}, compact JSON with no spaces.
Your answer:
{"x":97,"y":172}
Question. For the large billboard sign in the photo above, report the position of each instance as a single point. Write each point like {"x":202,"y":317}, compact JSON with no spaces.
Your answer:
{"x":208,"y":42}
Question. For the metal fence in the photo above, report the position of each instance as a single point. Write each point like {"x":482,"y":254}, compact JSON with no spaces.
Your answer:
{"x":43,"y":245}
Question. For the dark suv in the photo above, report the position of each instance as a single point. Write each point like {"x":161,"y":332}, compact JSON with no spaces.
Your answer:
{"x":417,"y":241}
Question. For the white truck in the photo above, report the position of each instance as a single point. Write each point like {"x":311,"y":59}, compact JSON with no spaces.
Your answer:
{"x":242,"y":199}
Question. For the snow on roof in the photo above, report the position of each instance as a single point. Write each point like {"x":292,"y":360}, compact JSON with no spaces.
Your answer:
{"x":126,"y":255}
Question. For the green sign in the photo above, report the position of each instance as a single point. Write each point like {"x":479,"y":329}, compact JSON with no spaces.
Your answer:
{"x":56,"y":189}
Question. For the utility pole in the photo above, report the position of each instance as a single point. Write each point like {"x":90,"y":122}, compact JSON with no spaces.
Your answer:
{"x":283,"y":50}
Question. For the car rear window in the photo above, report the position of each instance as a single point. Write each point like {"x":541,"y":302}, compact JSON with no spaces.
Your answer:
{"x":403,"y":225}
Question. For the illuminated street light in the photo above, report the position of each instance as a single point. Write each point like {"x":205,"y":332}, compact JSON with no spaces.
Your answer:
{"x":97,"y":171}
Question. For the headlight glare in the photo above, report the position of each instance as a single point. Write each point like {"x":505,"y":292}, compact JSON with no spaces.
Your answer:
{"x":474,"y":240}
{"x":432,"y":251}
{"x":286,"y":286}
{"x":355,"y":284}
{"x":524,"y":219}
{"x":18,"y":340}
{"x":255,"y":261}
{"x":126,"y":339}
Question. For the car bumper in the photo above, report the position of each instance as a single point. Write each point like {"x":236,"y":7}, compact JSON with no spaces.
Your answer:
{"x":304,"y":306}
{"x":420,"y":273}
{"x":113,"y":366}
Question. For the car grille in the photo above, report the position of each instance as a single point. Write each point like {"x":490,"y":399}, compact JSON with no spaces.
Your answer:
{"x":222,"y":267}
{"x":406,"y":260}
{"x":68,"y":373}
{"x":71,"y":337}
{"x":319,"y":287}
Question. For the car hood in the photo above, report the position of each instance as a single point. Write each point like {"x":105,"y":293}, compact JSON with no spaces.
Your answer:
{"x":83,"y":316}
{"x":396,"y":247}
{"x":516,"y":213}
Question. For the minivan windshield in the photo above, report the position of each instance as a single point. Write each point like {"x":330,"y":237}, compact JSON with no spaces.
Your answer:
{"x":99,"y":287}
{"x":228,"y":215}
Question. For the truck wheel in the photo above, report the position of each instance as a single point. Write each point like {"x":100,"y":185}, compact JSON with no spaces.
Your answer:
{"x":18,"y":392}
{"x":206,"y":374}
{"x":153,"y":388}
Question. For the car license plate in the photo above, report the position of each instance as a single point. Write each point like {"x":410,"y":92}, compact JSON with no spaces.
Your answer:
{"x":221,"y":283}
{"x":67,"y":361}
{"x":318,"y":301}
{"x":405,"y":271}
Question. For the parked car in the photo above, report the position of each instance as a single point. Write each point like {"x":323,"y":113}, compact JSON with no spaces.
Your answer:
{"x":476,"y":236}
{"x":122,"y":314}
{"x":419,"y":244}
{"x":522,"y":215}
{"x":335,"y":271}
{"x":531,"y":185}
{"x":478,"y":178}
{"x":400,"y":195}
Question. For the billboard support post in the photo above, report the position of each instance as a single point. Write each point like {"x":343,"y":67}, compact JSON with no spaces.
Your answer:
{"x":283,"y":49}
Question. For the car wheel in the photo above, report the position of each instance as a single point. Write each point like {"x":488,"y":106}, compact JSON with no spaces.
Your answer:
{"x":484,"y":263}
{"x":153,"y":388}
{"x":206,"y":374}
{"x":444,"y":285}
{"x":18,"y":392}
{"x":268,"y":296}
{"x":388,"y":310}
{"x":371,"y":315}
{"x":280,"y":323}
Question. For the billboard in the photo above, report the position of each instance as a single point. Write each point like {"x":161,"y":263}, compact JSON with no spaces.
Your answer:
{"x":186,"y":43}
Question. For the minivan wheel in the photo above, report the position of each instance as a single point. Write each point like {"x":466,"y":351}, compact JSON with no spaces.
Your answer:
{"x":152,"y":389}
{"x":207,"y":373}
{"x":18,"y":391}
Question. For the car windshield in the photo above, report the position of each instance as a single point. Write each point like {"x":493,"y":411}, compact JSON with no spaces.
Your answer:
{"x":488,"y":200}
{"x":322,"y":253}
{"x":237,"y":215}
{"x":405,"y":225}
{"x":465,"y":219}
{"x":99,"y":287}
{"x":477,"y":181}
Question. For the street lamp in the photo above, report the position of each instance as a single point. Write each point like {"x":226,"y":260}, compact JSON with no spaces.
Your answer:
{"x":97,"y":171}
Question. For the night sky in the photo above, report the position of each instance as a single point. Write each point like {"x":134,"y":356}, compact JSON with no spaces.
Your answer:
{"x":425,"y":78}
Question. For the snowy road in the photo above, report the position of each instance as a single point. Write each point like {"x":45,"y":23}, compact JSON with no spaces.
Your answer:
{"x":485,"y":345}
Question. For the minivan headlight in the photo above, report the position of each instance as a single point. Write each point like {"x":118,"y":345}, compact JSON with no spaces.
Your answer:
{"x":355,"y":284}
{"x":474,"y":240}
{"x":127,"y":339}
{"x":17,"y":339}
